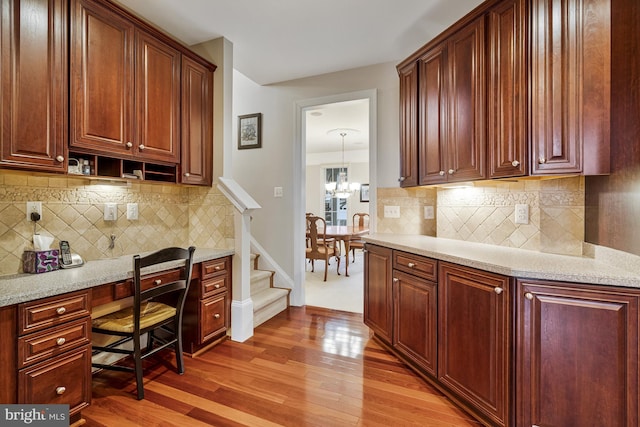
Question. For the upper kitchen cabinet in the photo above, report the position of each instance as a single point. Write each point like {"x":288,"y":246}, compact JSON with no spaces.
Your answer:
{"x":442,"y":109}
{"x":197,"y":122}
{"x":125,"y":87}
{"x":33,"y":74}
{"x":570,"y":86}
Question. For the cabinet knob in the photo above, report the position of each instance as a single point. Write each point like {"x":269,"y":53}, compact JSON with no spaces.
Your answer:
{"x":60,"y":159}
{"x":60,"y":390}
{"x":187,"y":174}
{"x":498,"y":290}
{"x":411,"y":265}
{"x":451,"y":171}
{"x":542,"y":160}
{"x":396,"y":280}
{"x":528,"y":296}
{"x":157,"y":282}
{"x":141,"y":147}
{"x":217,"y":286}
{"x":217,"y":268}
{"x":129,"y":144}
{"x":216,"y":316}
{"x":61,"y":310}
{"x":61,"y":341}
{"x":402,"y":178}
{"x":515,"y":163}
{"x":441,"y":173}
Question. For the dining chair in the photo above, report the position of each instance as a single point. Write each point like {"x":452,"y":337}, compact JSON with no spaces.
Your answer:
{"x":161,"y":321}
{"x":359,"y":220}
{"x":320,"y":248}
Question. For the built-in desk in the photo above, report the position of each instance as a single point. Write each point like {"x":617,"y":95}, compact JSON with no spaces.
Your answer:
{"x":45,"y":322}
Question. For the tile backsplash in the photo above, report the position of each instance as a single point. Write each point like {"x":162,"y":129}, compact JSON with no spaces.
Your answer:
{"x":72,"y":209}
{"x":484,"y":212}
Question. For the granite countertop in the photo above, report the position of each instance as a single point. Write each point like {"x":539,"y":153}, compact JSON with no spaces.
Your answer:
{"x":15,"y":289}
{"x":605,"y":267}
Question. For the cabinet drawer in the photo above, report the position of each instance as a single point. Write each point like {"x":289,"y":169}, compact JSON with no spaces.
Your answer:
{"x":126,"y":289}
{"x":417,"y":265}
{"x":212,"y":286}
{"x":43,"y":313}
{"x":213,"y":316}
{"x":214,"y":266}
{"x":49,"y":343}
{"x":65,"y":380}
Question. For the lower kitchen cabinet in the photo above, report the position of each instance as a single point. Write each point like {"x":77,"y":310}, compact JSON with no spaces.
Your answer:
{"x":577,"y":362}
{"x":378,"y":291}
{"x":474,"y":339}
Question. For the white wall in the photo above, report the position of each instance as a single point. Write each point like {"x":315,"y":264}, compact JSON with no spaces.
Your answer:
{"x":259,"y":170}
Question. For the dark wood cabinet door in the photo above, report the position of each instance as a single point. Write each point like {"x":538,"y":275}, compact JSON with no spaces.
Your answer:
{"x":415,"y":316}
{"x":466,"y":141}
{"x":577,"y":362}
{"x":474,"y":339}
{"x":432,"y":139}
{"x":157,"y":86}
{"x":570,"y":77}
{"x":506,"y":90}
{"x":378,"y":291}
{"x":408,"y":125}
{"x":102,"y":80}
{"x":34,"y":91}
{"x":197,"y":123}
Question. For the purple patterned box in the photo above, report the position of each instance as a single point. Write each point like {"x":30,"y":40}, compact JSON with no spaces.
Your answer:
{"x":40,"y":261}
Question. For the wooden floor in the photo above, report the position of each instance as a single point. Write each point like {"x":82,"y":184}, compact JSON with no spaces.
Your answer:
{"x":305,"y":367}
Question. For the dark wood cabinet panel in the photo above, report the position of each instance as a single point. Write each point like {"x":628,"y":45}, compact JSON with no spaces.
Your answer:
{"x":415,"y":320}
{"x":378,"y":291}
{"x":34,"y":89}
{"x":577,"y":355}
{"x":571,"y":86}
{"x":408,"y":125}
{"x":197,"y":123}
{"x":506,"y":90}
{"x":474,"y":339}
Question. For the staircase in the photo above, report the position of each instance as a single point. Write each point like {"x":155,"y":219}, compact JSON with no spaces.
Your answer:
{"x":267,"y":299}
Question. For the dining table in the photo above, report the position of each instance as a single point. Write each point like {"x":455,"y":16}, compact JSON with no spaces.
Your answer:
{"x":345,"y":233}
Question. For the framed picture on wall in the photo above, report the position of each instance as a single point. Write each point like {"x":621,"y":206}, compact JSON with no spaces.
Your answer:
{"x":249,"y":132}
{"x":364,"y":193}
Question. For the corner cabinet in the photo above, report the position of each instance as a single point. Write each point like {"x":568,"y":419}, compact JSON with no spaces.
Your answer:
{"x":33,"y":75}
{"x":577,"y":355}
{"x":378,"y":291}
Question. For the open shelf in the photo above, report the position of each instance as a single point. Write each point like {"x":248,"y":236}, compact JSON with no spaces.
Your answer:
{"x":109,"y":167}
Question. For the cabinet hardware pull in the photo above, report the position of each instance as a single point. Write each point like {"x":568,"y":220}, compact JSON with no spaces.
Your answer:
{"x":61,"y":310}
{"x":451,"y":171}
{"x":411,"y":265}
{"x":515,"y":163}
{"x":60,"y":390}
{"x":129,"y":144}
{"x":497,"y":290}
{"x":60,"y":159}
{"x":216,"y":316}
{"x":528,"y":296}
{"x":441,"y":173}
{"x":217,"y":268}
{"x":402,"y":178}
{"x":157,"y":281}
{"x":187,"y":174}
{"x":542,"y":160}
{"x":141,"y":147}
{"x":395,"y":279}
{"x":60,"y":341}
{"x":217,"y":286}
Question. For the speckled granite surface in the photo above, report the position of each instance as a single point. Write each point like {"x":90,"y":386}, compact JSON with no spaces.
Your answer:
{"x":605,"y":267}
{"x":27,"y":287}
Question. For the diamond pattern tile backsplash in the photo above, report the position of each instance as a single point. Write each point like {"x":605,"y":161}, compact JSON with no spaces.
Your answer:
{"x":72,"y":209}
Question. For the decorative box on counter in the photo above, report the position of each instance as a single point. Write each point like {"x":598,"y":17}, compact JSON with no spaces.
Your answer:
{"x":40,"y":261}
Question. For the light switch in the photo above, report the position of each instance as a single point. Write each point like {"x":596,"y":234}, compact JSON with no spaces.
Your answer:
{"x":277,"y":192}
{"x":392,"y":211}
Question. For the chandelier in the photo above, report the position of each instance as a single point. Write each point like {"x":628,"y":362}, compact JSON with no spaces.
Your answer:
{"x":342,"y":188}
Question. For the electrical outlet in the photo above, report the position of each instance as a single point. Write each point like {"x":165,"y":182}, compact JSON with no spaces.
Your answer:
{"x":392,"y":211}
{"x":429,"y":212}
{"x":277,"y":192}
{"x":110,"y":211}
{"x":132,"y":211}
{"x":34,"y":207}
{"x":522,"y":214}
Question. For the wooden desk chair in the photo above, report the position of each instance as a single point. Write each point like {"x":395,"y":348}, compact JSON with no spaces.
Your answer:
{"x":359,"y":220}
{"x":147,"y":315}
{"x":320,"y":248}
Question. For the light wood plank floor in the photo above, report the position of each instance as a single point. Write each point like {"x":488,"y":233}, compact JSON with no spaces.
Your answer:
{"x":305,"y":367}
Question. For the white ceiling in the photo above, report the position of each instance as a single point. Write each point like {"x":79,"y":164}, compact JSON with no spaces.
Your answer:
{"x":280,"y":40}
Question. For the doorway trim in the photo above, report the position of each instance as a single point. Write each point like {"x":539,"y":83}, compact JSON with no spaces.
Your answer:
{"x":297,"y":297}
